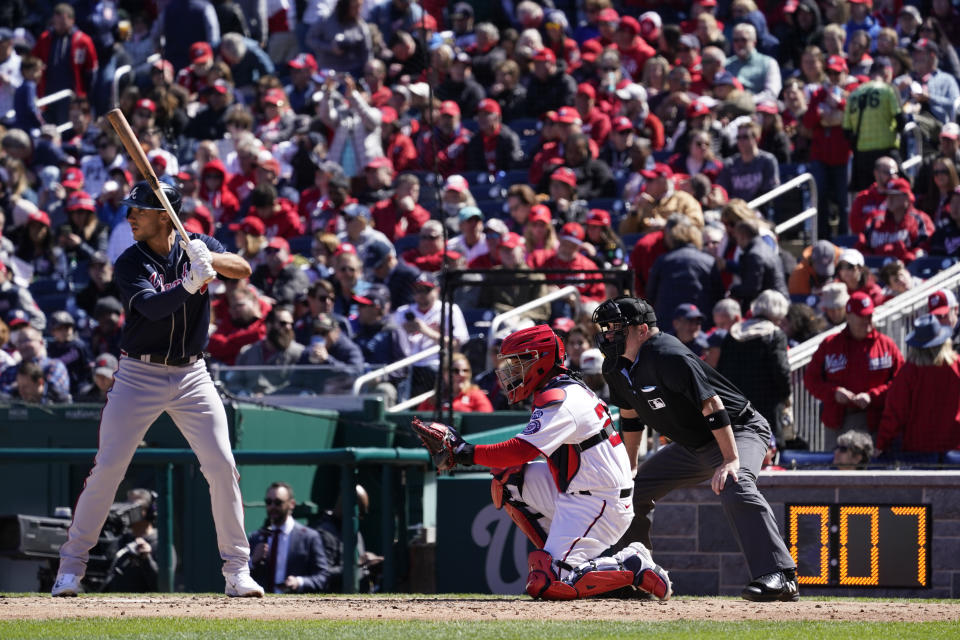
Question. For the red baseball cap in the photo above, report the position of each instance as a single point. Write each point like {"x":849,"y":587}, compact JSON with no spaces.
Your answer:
{"x":622,"y":123}
{"x":629,"y":23}
{"x":456,"y":183}
{"x":158,"y":159}
{"x":388,"y":115}
{"x":379,"y":163}
{"x":511,"y":240}
{"x":598,"y":218}
{"x":304,"y":61}
{"x":427,"y":22}
{"x":251,"y":225}
{"x":706,"y":3}
{"x":768,"y":106}
{"x":660,"y":170}
{"x":39,"y":216}
{"x":279,"y":243}
{"x":544,"y":55}
{"x":275,"y":97}
{"x":539,"y":213}
{"x":201,"y":52}
{"x":608,"y":15}
{"x":270,"y":164}
{"x":565,"y":175}
{"x":489,"y":105}
{"x":72,"y":178}
{"x":696,"y":109}
{"x":860,"y":304}
{"x":590,"y":49}
{"x":836,"y":63}
{"x":573,"y":232}
{"x":81,"y":200}
{"x":899,"y":185}
{"x":587,"y":89}
{"x":568,"y":115}
{"x":449,"y":108}
{"x":148,"y":104}
{"x":940,"y":302}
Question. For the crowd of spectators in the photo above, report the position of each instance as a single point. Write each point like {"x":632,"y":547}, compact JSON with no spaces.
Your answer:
{"x":354,"y":151}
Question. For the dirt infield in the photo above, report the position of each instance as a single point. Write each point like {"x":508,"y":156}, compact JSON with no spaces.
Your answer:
{"x":469,"y":609}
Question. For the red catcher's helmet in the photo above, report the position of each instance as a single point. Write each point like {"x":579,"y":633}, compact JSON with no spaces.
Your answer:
{"x":526,"y":359}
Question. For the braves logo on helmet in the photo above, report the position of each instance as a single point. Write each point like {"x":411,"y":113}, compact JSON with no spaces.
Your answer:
{"x":527,"y":358}
{"x":142,"y":196}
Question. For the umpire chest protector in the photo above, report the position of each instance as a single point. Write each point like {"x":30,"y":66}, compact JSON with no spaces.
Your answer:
{"x":667,"y":384}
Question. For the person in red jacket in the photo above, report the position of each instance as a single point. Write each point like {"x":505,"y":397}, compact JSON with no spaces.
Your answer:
{"x":279,"y":215}
{"x":904,"y":232}
{"x":829,"y":150}
{"x":870,"y":203}
{"x":923,"y":402}
{"x":442,"y":149}
{"x":851,"y":372}
{"x":400,"y":214}
{"x":649,"y":247}
{"x":221,"y":201}
{"x":429,"y":254}
{"x":70,"y":59}
{"x":596,"y":124}
{"x":468,"y":397}
{"x":568,"y":256}
{"x":397,"y":145}
{"x":634,"y":50}
{"x":240,"y":323}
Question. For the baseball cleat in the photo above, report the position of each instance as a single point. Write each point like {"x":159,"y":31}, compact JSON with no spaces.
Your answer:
{"x":67,"y":585}
{"x":772,"y":587}
{"x":241,"y":585}
{"x":650,"y":577}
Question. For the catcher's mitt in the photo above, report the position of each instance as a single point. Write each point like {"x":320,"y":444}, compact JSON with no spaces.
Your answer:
{"x":447,"y":448}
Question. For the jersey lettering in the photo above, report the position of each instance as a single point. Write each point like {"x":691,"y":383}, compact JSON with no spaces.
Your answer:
{"x":835,"y":362}
{"x":881,"y":362}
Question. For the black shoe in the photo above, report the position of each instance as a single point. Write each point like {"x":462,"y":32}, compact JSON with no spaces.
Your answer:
{"x":773,"y":587}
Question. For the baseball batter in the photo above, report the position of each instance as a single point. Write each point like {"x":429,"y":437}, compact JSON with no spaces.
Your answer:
{"x":162,"y":279}
{"x":574,"y":505}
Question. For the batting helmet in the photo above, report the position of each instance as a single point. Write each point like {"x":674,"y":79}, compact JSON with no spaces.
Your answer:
{"x":142,"y":196}
{"x":526,"y":359}
{"x":614,"y":316}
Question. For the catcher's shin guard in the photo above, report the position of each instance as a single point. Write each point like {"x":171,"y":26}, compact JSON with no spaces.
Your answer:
{"x":526,"y":518}
{"x":648,"y":576}
{"x":543,"y":582}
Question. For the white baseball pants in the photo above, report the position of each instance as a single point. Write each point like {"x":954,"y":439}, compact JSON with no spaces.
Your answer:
{"x":141,"y":392}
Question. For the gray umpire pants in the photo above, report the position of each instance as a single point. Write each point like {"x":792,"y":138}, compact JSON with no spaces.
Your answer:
{"x":750,"y":517}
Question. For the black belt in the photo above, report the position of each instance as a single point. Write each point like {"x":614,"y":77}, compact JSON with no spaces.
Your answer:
{"x":605,"y":433}
{"x":158,"y":359}
{"x":624,"y":493}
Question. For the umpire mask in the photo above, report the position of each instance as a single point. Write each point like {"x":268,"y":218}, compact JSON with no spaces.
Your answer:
{"x":615,"y":316}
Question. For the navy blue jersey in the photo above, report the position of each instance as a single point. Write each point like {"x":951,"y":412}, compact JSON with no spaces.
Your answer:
{"x":161,"y":317}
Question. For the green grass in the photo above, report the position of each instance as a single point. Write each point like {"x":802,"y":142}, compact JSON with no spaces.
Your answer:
{"x":183,"y":628}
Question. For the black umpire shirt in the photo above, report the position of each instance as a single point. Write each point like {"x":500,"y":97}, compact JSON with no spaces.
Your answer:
{"x":667,"y":384}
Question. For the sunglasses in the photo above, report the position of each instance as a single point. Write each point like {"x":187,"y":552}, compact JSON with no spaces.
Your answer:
{"x":273,"y":502}
{"x":941,"y":172}
{"x":281,"y":323}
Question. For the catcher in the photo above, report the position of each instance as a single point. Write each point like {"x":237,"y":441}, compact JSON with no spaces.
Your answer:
{"x":576,"y":503}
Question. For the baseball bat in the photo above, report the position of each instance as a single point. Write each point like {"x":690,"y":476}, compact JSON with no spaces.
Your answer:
{"x":136,"y":153}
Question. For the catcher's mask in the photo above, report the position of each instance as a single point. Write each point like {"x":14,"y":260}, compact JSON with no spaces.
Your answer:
{"x":614,"y":316}
{"x":526,"y":359}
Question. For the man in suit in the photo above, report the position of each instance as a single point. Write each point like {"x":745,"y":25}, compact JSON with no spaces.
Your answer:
{"x":287,"y":557}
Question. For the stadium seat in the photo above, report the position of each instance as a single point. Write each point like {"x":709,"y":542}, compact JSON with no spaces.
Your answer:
{"x":797,"y":459}
{"x":406,"y":243}
{"x":804,"y":298}
{"x":492,"y":208}
{"x":525,"y":127}
{"x":516,"y":176}
{"x":301,"y":245}
{"x":662,"y":156}
{"x":54,"y":301}
{"x":80,"y":276}
{"x":876,"y":262}
{"x":952,"y":457}
{"x":49,"y":286}
{"x":929,"y":266}
{"x":848,"y":240}
{"x":630,"y":241}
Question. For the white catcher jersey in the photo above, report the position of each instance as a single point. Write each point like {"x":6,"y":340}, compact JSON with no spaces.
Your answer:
{"x":565,"y":415}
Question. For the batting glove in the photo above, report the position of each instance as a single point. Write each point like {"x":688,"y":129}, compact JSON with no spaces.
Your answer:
{"x":196,"y":250}
{"x":200,"y":274}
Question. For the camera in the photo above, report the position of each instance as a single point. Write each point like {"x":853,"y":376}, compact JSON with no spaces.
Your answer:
{"x":409,"y":317}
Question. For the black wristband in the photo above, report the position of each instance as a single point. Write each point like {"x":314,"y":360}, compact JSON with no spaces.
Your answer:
{"x":631,"y":424}
{"x":463,"y":455}
{"x":718,"y":419}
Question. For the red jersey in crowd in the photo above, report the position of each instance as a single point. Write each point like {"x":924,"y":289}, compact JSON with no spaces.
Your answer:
{"x":860,"y":366}
{"x":923,"y":406}
{"x":634,"y":57}
{"x":536,"y":258}
{"x":242,"y":184}
{"x":225,"y":343}
{"x":592,"y":287}
{"x":285,"y":221}
{"x":596,"y":124}
{"x":388,"y":220}
{"x":201,"y":221}
{"x":83,"y":59}
{"x":828,"y":144}
{"x":223,"y":203}
{"x":649,"y":247}
{"x":867,"y":206}
{"x":887,"y":237}
{"x":473,"y":400}
{"x":446,"y":153}
{"x":402,"y":152}
{"x":432,"y":262}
